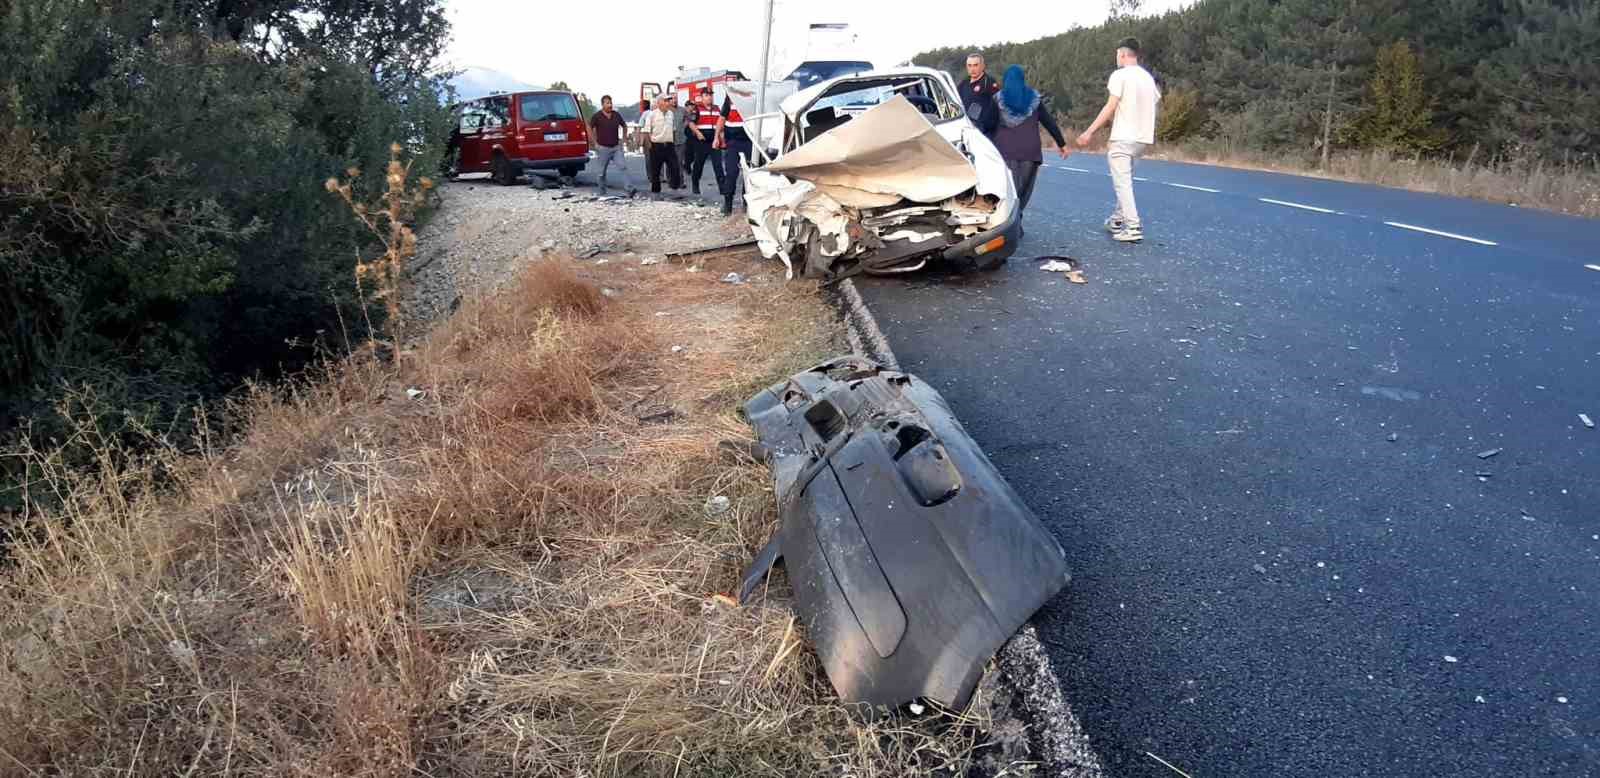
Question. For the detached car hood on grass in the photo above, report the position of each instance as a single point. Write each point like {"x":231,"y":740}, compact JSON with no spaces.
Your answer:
{"x":884,"y":192}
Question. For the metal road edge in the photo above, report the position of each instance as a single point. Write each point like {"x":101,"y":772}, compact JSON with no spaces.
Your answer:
{"x":1058,"y":740}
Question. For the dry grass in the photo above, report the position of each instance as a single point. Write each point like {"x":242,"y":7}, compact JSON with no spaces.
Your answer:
{"x":1571,"y":188}
{"x":1565,"y":187}
{"x":508,"y":574}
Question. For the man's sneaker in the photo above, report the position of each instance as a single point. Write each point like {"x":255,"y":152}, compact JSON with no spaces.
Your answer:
{"x":1128,"y":235}
{"x":1114,"y":225}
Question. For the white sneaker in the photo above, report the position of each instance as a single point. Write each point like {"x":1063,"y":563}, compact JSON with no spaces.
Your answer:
{"x":1114,"y":225}
{"x":1128,"y":235}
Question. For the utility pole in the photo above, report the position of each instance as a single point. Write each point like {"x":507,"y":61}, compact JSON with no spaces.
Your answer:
{"x":761,"y":85}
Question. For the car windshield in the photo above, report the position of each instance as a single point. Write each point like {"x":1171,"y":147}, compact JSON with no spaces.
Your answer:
{"x":809,"y":73}
{"x":856,"y":96}
{"x":548,"y":108}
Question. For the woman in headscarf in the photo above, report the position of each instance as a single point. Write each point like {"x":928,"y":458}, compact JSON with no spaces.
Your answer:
{"x":1017,"y":134}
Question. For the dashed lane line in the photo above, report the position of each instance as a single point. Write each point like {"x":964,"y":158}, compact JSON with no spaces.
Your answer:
{"x":1303,"y":207}
{"x":1593,"y":267}
{"x":1442,"y":234}
{"x":1195,"y":188}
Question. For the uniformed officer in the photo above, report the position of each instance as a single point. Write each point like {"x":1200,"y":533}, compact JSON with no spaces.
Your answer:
{"x":702,"y":127}
{"x":734,"y":144}
{"x":977,"y":96}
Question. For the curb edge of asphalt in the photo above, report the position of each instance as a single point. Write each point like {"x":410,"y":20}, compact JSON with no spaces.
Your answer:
{"x":1058,"y":739}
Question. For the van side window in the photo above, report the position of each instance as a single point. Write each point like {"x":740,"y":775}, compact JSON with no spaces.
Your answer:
{"x":498,"y":111}
{"x":471,"y":120}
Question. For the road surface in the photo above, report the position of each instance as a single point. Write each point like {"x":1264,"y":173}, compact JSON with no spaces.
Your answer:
{"x":1258,"y":436}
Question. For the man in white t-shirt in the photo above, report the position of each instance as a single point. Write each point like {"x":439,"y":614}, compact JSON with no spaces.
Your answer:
{"x":1131,"y":110}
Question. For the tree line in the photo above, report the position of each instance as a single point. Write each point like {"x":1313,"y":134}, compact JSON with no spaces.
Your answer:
{"x":164,"y":230}
{"x":1516,"y":79}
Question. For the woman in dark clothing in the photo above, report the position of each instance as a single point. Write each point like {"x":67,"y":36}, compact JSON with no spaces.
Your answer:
{"x":1017,"y":134}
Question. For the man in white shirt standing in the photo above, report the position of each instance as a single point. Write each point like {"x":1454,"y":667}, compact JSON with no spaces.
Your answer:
{"x":1131,"y":109}
{"x":659,"y":127}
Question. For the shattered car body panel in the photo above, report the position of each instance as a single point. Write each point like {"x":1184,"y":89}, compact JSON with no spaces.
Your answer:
{"x":874,"y":166}
{"x":911,"y":559}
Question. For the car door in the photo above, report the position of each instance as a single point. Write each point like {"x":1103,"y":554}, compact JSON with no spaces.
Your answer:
{"x":474,"y":152}
{"x":550,"y":126}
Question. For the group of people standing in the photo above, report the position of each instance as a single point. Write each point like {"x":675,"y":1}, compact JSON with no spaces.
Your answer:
{"x":1011,"y":113}
{"x":676,"y":141}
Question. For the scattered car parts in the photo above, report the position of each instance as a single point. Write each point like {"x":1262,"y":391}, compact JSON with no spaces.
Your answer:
{"x":911,"y":559}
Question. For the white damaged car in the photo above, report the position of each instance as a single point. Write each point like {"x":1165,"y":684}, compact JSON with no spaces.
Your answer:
{"x":880,"y":173}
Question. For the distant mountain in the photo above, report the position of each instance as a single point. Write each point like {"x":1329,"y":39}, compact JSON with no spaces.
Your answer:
{"x":478,"y":81}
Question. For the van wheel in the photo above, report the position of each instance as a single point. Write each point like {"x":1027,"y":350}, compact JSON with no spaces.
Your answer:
{"x":504,"y":173}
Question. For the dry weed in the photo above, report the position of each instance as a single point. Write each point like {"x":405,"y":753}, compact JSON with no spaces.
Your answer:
{"x":510,"y":569}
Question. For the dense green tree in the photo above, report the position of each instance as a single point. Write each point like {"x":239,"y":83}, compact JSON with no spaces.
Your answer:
{"x":1505,"y":76}
{"x":163,"y":228}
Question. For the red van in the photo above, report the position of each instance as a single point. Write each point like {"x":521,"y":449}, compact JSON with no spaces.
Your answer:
{"x":509,"y":134}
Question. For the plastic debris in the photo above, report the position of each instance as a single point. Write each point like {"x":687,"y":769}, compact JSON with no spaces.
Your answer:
{"x":1394,"y":436}
{"x":1561,"y":700}
{"x":1587,"y":422}
{"x":1479,"y":699}
{"x":916,"y":708}
{"x":677,"y":349}
{"x":1450,"y":659}
{"x":1076,"y":277}
{"x":733,"y":278}
{"x":1491,"y":452}
{"x":718,"y":505}
{"x":650,"y":261}
{"x":416,"y":394}
{"x":1056,"y":266}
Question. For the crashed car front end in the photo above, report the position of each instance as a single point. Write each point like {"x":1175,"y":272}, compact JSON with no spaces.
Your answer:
{"x":884,"y":189}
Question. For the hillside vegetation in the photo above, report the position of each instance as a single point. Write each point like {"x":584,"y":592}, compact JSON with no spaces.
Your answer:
{"x":1496,"y":82}
{"x":164,"y":233}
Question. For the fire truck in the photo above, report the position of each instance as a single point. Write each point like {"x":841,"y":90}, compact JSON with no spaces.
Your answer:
{"x":689,"y":84}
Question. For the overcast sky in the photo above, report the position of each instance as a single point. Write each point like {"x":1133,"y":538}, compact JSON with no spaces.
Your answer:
{"x":609,"y":47}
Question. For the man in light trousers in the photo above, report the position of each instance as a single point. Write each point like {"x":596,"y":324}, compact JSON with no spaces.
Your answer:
{"x":1131,"y":109}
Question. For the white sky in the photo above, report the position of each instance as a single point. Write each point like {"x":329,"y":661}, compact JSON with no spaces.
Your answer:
{"x":609,"y":47}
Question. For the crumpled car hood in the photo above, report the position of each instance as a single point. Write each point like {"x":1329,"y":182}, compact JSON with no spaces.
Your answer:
{"x":851,"y":195}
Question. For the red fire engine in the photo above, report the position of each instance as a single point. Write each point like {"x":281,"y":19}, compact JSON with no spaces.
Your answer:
{"x":689,"y":84}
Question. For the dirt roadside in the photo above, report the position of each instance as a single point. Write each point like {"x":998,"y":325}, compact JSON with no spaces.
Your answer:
{"x":506,"y":552}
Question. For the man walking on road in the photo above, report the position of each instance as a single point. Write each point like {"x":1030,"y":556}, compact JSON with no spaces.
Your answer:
{"x":1131,"y":109}
{"x":607,"y":127}
{"x":658,"y":130}
{"x":977,"y":96}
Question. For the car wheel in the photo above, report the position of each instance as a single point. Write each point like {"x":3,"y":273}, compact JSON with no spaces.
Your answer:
{"x":504,"y":173}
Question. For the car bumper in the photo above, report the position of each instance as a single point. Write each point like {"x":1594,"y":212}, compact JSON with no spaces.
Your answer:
{"x":552,"y":164}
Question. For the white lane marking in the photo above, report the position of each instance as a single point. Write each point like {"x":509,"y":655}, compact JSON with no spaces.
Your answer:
{"x":1195,"y":188}
{"x":1074,"y":169}
{"x":1288,"y":204}
{"x":1593,"y":267}
{"x":1136,"y":178}
{"x":1415,"y":228}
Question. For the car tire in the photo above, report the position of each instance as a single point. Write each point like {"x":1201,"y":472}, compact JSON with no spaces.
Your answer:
{"x":504,"y":173}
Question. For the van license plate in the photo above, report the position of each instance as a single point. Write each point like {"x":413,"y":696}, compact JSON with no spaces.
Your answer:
{"x":555,"y":136}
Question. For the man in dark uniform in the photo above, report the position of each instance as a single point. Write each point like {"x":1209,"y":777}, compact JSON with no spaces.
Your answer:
{"x":700,"y":119}
{"x":977,"y":96}
{"x":735,"y":145}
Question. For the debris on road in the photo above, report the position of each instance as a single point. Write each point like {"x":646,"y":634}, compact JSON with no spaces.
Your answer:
{"x":1587,"y":422}
{"x":1491,"y":452}
{"x":910,"y":558}
{"x":1260,"y":568}
{"x":1479,"y":699}
{"x":1056,"y":266}
{"x":1076,"y":277}
{"x":650,"y":261}
{"x":677,"y":349}
{"x":1451,"y":659}
{"x":718,"y":505}
{"x":415,"y":394}
{"x":674,"y":256}
{"x":733,"y":278}
{"x":1394,"y":436}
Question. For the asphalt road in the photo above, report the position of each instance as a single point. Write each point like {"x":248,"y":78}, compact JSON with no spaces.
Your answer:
{"x":1265,"y":583}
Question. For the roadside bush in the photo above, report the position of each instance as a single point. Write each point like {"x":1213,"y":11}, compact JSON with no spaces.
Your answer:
{"x":164,"y":233}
